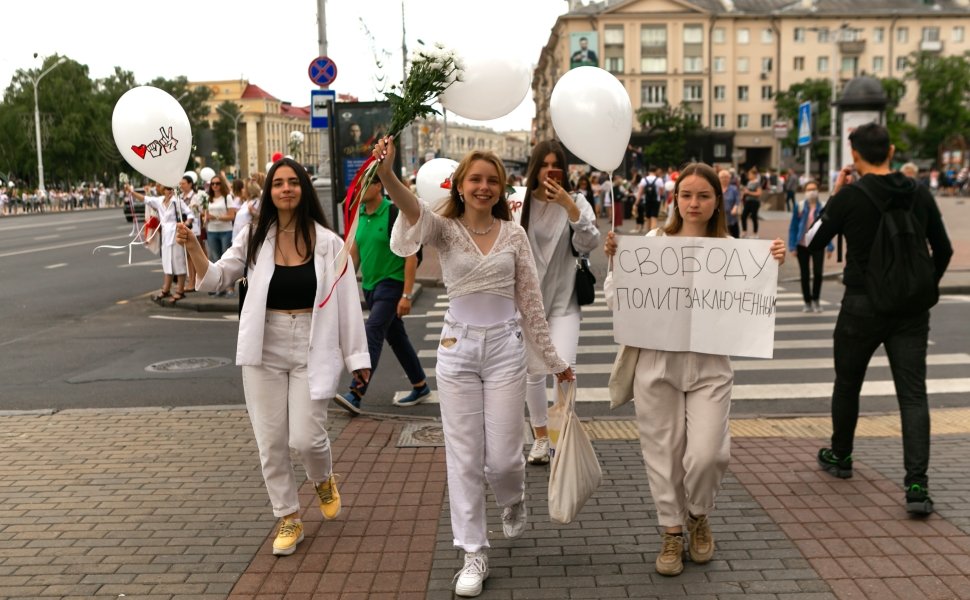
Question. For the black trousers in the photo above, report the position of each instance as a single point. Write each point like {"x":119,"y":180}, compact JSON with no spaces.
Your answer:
{"x":858,"y":333}
{"x":810,"y":288}
{"x":750,"y":209}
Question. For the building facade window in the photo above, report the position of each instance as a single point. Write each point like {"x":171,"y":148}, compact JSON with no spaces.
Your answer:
{"x":823,"y":36}
{"x":902,"y":35}
{"x":693,"y":64}
{"x":720,"y":150}
{"x":823,"y":63}
{"x":742,"y":121}
{"x":717,"y":36}
{"x":743,"y":64}
{"x":878,"y":35}
{"x":766,"y":120}
{"x":902,"y":64}
{"x":720,"y":64}
{"x":743,"y":35}
{"x":613,"y":48}
{"x":766,"y":64}
{"x":653,"y":49}
{"x":931,"y":34}
{"x":742,"y":92}
{"x":653,"y":93}
{"x":767,"y":35}
{"x":767,"y":92}
{"x":799,"y":34}
{"x":957,"y":34}
{"x":850,"y":65}
{"x":877,"y":64}
{"x":693,"y":91}
{"x":720,"y":92}
{"x":719,"y":121}
{"x":798,"y":64}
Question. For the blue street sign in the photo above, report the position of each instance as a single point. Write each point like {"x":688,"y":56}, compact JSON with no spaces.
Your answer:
{"x":804,"y":123}
{"x":322,"y":71}
{"x":318,"y":107}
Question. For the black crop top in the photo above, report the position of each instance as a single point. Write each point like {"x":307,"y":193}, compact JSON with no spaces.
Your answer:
{"x":292,"y":288}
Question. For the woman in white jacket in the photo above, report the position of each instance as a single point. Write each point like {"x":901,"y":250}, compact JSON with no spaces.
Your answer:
{"x":560,"y":226}
{"x":291,"y":349}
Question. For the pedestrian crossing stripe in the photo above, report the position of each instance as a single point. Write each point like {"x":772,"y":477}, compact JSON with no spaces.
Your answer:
{"x":602,"y":309}
{"x":788,"y":327}
{"x":603,"y":306}
{"x":775,"y":364}
{"x":780,"y":391}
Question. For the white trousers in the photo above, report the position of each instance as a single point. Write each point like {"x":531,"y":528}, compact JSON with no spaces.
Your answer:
{"x":683,"y":402}
{"x":564,"y":331}
{"x":481,"y":384}
{"x":282,"y":413}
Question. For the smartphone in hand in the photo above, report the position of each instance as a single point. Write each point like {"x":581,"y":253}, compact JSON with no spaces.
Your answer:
{"x":555,"y":175}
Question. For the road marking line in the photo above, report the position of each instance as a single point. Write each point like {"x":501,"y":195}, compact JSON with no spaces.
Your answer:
{"x":65,"y":228}
{"x":230,"y":318}
{"x":47,"y":237}
{"x":56,"y":266}
{"x":91,"y":243}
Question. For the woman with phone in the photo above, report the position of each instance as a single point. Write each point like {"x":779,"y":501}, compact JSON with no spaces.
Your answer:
{"x":561,"y":227}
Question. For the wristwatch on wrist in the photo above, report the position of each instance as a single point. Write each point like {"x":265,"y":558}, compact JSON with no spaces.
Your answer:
{"x":408,"y":297}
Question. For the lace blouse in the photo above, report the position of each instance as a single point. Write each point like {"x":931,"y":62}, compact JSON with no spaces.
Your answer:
{"x":508,"y":270}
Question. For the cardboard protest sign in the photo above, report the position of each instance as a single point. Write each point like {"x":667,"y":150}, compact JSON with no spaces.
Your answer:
{"x":709,"y":295}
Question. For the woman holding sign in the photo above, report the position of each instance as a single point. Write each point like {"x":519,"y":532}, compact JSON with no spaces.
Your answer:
{"x":561,"y":227}
{"x":683,"y":399}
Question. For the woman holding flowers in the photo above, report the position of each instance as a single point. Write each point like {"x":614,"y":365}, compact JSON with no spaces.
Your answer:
{"x":494,"y":323}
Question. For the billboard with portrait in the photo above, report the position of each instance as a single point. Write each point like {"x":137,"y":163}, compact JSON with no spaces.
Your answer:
{"x":358,"y":126}
{"x":583,"y":48}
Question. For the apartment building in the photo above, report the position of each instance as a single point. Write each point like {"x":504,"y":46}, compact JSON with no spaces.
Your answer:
{"x":728,"y":58}
{"x":265,"y":123}
{"x":454,"y":140}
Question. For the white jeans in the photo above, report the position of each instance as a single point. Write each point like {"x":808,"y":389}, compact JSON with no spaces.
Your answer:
{"x":282,"y":413}
{"x":481,"y":384}
{"x":564,"y":331}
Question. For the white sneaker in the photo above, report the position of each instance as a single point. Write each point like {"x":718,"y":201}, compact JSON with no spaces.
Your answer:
{"x":539,"y":454}
{"x":468,"y":581}
{"x":817,"y":307}
{"x":807,"y":308}
{"x":514,"y":519}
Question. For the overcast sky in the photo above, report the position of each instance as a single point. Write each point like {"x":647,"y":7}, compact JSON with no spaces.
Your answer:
{"x":269,"y":43}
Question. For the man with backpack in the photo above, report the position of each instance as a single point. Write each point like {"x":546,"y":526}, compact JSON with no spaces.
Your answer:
{"x":891,"y":281}
{"x":388,"y":282}
{"x":648,"y":200}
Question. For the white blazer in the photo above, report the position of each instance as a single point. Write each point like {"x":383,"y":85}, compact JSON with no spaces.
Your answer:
{"x":337,"y":337}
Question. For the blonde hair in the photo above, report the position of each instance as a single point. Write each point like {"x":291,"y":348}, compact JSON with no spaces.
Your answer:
{"x":455,"y":206}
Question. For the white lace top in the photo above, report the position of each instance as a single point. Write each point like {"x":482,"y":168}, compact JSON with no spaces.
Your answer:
{"x":508,"y":270}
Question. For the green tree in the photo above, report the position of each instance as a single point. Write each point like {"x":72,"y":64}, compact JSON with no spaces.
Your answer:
{"x":224,"y":129}
{"x":667,"y":129}
{"x":942,"y":98}
{"x":192,"y":99}
{"x":819,"y":92}
{"x":902,"y":134}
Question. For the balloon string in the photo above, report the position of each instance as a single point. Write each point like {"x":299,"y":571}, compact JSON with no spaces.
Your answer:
{"x":612,"y":215}
{"x":135,"y":232}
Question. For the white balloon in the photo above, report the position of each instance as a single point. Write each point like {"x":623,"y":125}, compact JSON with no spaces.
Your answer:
{"x":516,"y":199}
{"x":152,"y":132}
{"x":269,"y":166}
{"x":669,"y":186}
{"x":433,"y":177}
{"x":592,"y":115}
{"x":191,"y":175}
{"x":207,"y":174}
{"x":491,"y":86}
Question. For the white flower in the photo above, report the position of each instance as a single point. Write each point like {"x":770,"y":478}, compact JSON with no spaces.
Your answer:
{"x":296,"y":137}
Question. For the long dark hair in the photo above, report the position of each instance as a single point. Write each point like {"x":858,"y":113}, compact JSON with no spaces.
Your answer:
{"x":307,"y":212}
{"x":532,"y":178}
{"x":717,"y":224}
{"x":455,"y":206}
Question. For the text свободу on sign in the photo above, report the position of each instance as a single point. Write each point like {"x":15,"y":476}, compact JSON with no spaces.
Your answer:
{"x":709,"y":295}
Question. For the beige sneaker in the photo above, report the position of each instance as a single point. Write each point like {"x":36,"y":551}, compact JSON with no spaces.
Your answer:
{"x":539,"y":454}
{"x":670,"y":561}
{"x":289,"y":535}
{"x":700,"y":539}
{"x":329,"y":498}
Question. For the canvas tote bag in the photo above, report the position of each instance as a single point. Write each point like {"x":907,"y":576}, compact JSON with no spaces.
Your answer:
{"x":575,"y":471}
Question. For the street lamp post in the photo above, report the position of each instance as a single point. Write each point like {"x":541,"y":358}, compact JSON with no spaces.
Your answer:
{"x":235,"y":138}
{"x":40,"y":154}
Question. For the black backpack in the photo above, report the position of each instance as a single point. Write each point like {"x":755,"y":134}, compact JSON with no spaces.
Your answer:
{"x":650,"y":190}
{"x":391,"y":218}
{"x":901,"y":275}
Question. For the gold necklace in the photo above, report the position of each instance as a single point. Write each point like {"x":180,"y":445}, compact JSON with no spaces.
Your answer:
{"x":476,"y":232}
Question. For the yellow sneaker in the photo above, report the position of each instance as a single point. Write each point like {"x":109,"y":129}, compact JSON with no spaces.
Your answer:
{"x":289,"y":535}
{"x":329,"y":498}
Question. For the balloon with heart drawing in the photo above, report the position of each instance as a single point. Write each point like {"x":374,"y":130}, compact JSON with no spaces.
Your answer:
{"x":153,"y":133}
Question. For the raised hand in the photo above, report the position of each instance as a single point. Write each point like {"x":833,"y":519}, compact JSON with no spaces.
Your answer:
{"x":155,"y":149}
{"x":169,"y":144}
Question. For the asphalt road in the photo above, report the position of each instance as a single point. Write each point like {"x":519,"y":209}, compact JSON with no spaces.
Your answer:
{"x":78,"y":331}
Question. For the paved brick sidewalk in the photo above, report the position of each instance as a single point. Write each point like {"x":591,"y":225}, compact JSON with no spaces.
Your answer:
{"x":169,"y":504}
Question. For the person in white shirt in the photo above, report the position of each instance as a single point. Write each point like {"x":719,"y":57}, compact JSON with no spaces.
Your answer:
{"x":561,"y":227}
{"x":293,"y":344}
{"x":171,"y":211}
{"x":494,"y":324}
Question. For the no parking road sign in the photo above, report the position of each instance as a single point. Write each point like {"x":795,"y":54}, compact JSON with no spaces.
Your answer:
{"x":322,"y":71}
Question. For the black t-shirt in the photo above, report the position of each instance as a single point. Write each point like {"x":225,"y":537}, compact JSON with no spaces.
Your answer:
{"x":851,"y":213}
